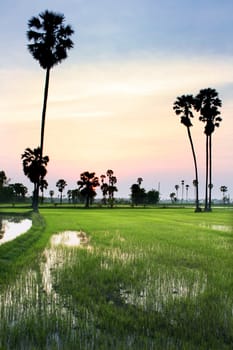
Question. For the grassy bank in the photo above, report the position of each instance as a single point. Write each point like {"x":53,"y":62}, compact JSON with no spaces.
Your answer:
{"x":146,"y":279}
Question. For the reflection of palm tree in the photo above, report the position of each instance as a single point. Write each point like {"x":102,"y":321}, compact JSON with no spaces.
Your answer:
{"x":34,"y":168}
{"x":61,"y":184}
{"x":49,"y":43}
{"x":207,"y":103}
{"x":182,"y":107}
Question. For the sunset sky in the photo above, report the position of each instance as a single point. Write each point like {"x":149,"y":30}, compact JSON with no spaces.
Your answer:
{"x":110,"y":103}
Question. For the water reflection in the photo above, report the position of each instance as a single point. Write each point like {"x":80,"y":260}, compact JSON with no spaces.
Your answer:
{"x":12,"y":227}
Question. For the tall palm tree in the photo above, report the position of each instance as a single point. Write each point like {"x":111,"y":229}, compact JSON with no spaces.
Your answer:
{"x":61,"y":184}
{"x":182,"y":193}
{"x":187,"y":191}
{"x":34,"y":168}
{"x":177,"y":189}
{"x":49,"y":42}
{"x":183,"y":107}
{"x":207,"y":103}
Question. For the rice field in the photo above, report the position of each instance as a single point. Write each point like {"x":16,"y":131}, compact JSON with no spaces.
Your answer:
{"x":120,"y":279}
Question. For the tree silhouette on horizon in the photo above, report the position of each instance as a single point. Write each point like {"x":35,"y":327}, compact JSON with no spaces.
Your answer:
{"x":183,"y":107}
{"x":61,"y":184}
{"x":34,"y":168}
{"x":87,"y":185}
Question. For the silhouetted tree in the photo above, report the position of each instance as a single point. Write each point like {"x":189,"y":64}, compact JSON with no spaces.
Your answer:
{"x":104,"y":188}
{"x":182,"y":190}
{"x":207,"y":103}
{"x":61,"y":184}
{"x":19,"y":189}
{"x":183,"y":107}
{"x":173,"y":197}
{"x":69,"y":195}
{"x":224,"y":190}
{"x":139,"y":181}
{"x":3,"y":178}
{"x":152,"y":197}
{"x":112,"y":180}
{"x":138,"y":194}
{"x":49,"y":42}
{"x":43,"y":186}
{"x":187,"y":190}
{"x":34,"y":168}
{"x":177,"y":189}
{"x":87,"y":184}
{"x":51,"y":193}
{"x":76,"y":196}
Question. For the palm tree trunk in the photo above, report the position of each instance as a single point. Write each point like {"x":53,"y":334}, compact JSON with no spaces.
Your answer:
{"x":46,"y":88}
{"x":207,"y":173}
{"x":210,"y":173}
{"x":197,"y":209}
{"x":35,"y":198}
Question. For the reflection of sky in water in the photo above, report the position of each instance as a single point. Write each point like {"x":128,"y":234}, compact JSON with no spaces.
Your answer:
{"x":14,"y":229}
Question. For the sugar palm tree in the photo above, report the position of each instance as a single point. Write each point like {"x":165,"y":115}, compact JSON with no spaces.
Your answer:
{"x":187,"y":191}
{"x":139,"y":181}
{"x":104,"y":188}
{"x":87,"y":184}
{"x":34,"y":168}
{"x":177,"y":189}
{"x":112,"y":180}
{"x":51,"y":193}
{"x":182,"y":187}
{"x":43,"y":186}
{"x":207,"y":103}
{"x":183,"y":107}
{"x":61,"y":184}
{"x":49,"y":42}
{"x":223,"y":189}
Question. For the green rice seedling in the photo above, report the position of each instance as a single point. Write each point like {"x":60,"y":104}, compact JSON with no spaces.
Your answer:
{"x":144,"y":279}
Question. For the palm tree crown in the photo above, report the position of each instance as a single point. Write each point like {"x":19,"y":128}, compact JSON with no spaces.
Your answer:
{"x":207,"y":103}
{"x":182,"y":106}
{"x":49,"y":38}
{"x":34,"y":166}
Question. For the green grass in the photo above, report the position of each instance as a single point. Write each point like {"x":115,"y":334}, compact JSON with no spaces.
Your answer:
{"x":147,"y":279}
